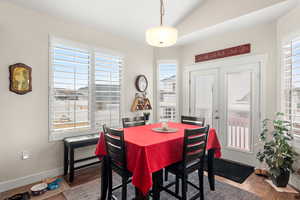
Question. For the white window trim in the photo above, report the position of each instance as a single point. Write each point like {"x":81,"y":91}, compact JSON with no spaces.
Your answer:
{"x":158,"y":89}
{"x":92,"y":49}
{"x":280,"y":107}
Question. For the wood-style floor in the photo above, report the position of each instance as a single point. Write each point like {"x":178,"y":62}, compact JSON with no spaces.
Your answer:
{"x":253,"y":184}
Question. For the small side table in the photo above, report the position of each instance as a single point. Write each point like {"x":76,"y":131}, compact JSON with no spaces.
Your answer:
{"x":70,"y":144}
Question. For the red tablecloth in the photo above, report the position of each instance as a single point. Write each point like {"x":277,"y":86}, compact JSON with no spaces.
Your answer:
{"x":148,"y":151}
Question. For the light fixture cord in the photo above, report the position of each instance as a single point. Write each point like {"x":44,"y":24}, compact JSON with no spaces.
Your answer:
{"x":162,"y":11}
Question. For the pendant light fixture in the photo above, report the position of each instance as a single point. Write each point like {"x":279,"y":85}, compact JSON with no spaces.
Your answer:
{"x":161,"y":36}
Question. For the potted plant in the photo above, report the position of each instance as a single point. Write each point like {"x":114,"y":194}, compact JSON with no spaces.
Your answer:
{"x":277,"y":151}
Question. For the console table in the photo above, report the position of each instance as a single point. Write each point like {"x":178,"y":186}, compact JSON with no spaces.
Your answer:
{"x":72,"y":143}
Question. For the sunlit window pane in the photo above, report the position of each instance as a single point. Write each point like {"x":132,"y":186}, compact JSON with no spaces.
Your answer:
{"x":167,"y":91}
{"x":291,"y":84}
{"x":70,"y":89}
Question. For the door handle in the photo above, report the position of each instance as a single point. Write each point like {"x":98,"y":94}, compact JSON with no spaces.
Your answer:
{"x":217,"y":117}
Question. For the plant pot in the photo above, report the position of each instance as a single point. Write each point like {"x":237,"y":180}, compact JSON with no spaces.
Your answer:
{"x":147,"y":116}
{"x":282,"y":180}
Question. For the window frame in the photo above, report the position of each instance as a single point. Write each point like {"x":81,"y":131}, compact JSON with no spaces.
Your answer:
{"x":158,"y":87}
{"x":54,"y":136}
{"x":287,"y":39}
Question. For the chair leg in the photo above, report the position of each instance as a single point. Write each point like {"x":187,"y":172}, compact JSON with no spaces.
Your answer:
{"x":104,"y":178}
{"x":177,"y":185}
{"x":200,"y":174}
{"x":166,"y":175}
{"x":184,"y":187}
{"x":187,"y":178}
{"x":210,"y":168}
{"x":110,"y":184}
{"x":124,"y":188}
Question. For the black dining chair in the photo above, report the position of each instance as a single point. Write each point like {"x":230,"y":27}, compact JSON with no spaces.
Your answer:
{"x":198,"y":121}
{"x":135,"y":121}
{"x":194,"y":148}
{"x":116,"y":152}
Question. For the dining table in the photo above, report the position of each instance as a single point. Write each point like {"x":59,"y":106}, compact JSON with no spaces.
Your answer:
{"x":148,"y":152}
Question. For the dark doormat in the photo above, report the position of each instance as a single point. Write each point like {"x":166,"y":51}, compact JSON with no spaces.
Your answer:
{"x":234,"y":171}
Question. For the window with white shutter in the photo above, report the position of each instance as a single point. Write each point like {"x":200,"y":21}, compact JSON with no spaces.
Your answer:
{"x":84,"y":89}
{"x":291,"y":84}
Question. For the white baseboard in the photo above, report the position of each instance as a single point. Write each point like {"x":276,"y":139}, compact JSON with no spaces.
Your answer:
{"x":15,"y":183}
{"x":295,"y":181}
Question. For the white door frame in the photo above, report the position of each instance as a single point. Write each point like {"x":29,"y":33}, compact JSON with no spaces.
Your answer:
{"x":221,"y":64}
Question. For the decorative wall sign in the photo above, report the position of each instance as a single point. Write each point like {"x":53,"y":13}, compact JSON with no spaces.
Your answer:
{"x":20,"y":78}
{"x":233,"y":51}
{"x":141,"y":102}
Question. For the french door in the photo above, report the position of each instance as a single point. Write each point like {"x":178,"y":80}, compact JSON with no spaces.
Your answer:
{"x":229,"y":98}
{"x":204,"y":99}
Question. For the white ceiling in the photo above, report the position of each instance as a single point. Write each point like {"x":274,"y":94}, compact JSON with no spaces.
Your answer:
{"x":257,"y":17}
{"x":129,"y":18}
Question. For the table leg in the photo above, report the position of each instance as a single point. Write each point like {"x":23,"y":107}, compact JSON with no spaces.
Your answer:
{"x":139,"y":195}
{"x":157,"y":179}
{"x":104,"y":178}
{"x":210,"y":168}
{"x":157,"y":183}
{"x":71,"y":175}
{"x":66,"y":158}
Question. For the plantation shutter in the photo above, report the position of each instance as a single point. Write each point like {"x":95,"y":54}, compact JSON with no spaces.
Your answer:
{"x":108,"y":70}
{"x":69,"y":92}
{"x":291,"y":84}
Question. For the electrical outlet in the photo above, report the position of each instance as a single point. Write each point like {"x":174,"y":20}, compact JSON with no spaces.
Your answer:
{"x":25,"y":155}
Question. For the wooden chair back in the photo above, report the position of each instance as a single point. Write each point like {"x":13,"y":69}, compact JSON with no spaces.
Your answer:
{"x":135,"y":121}
{"x":115,"y":146}
{"x":194,"y":146}
{"x":198,"y":121}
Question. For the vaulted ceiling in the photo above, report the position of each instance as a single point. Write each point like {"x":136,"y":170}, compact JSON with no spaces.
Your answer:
{"x":193,"y":18}
{"x":129,"y":18}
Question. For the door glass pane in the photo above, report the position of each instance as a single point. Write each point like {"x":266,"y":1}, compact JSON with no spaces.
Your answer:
{"x":204,"y":97}
{"x":239,"y":106}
